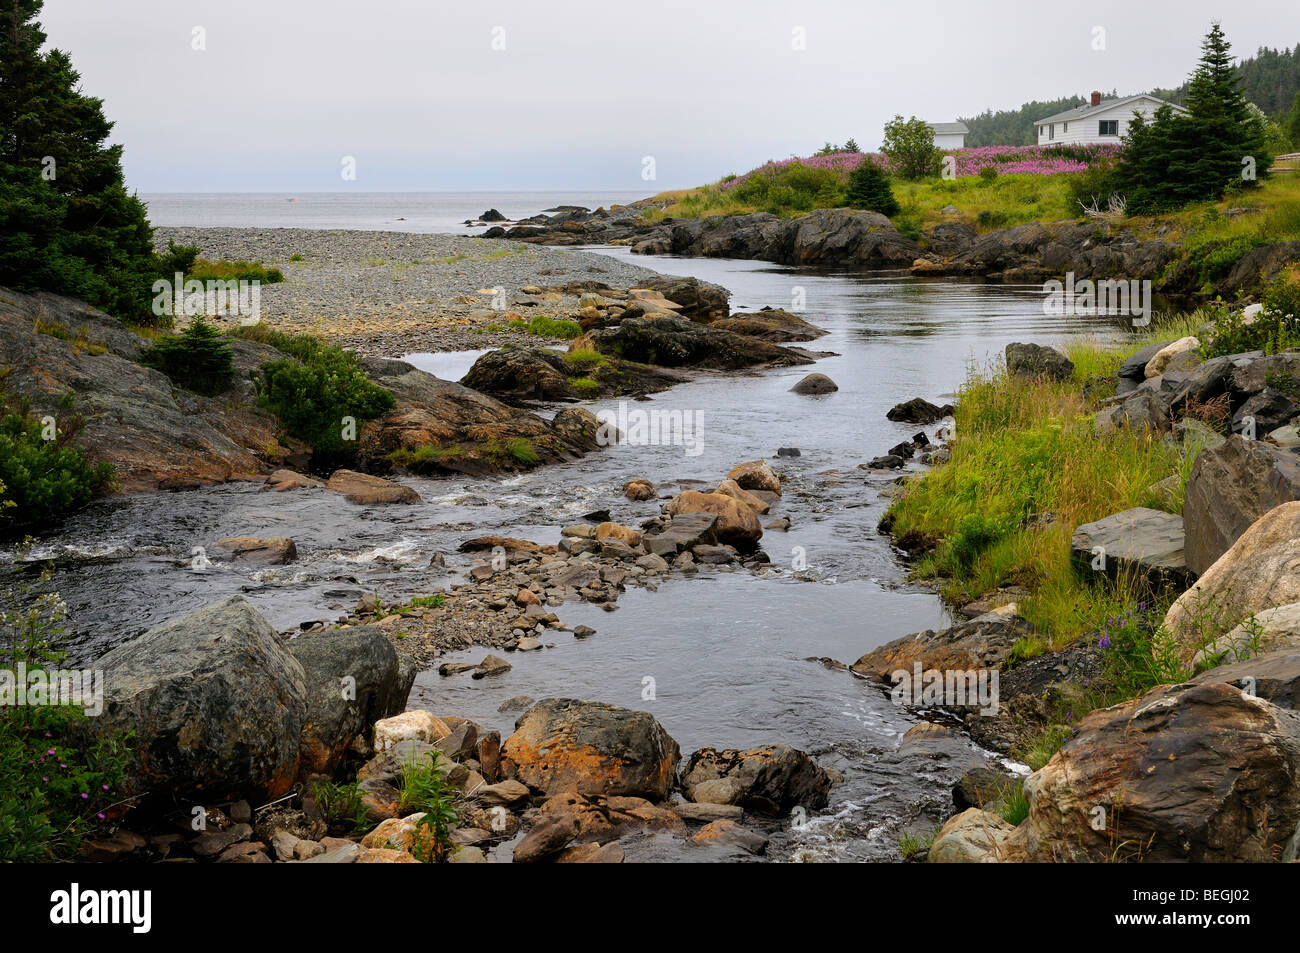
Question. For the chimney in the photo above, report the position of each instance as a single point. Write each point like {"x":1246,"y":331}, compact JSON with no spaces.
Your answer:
{"x":1096,"y":98}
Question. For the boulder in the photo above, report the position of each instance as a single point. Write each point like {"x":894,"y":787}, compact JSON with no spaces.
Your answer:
{"x":368,"y":490}
{"x":565,"y":744}
{"x":275,"y":551}
{"x":770,"y":780}
{"x":415,"y":725}
{"x":639,"y":490}
{"x":1231,"y":487}
{"x":983,"y":642}
{"x":735,"y":522}
{"x":291,"y":480}
{"x":1035,"y":360}
{"x":1257,"y":573}
{"x":623,"y":534}
{"x":1197,"y":773}
{"x":815,"y":384}
{"x":1271,"y":675}
{"x":685,"y":531}
{"x":734,"y":490}
{"x":549,"y":836}
{"x":726,"y":832}
{"x":1138,"y":542}
{"x":756,"y":475}
{"x":216,"y":703}
{"x":491,"y":665}
{"x":353,"y":680}
{"x":1134,"y":367}
{"x":677,"y":342}
{"x":919,"y":411}
{"x":1160,"y":360}
{"x":770,"y":324}
{"x":971,"y":837}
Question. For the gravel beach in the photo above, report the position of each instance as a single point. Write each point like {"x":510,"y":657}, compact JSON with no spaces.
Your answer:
{"x":394,"y":293}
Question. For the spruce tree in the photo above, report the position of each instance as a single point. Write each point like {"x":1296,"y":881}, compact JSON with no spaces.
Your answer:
{"x":67,"y":222}
{"x":869,"y":189}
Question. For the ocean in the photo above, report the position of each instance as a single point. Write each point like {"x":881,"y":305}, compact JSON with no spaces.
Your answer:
{"x":422,"y":212}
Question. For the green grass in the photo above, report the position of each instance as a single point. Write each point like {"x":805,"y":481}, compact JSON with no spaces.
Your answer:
{"x":584,"y":385}
{"x":426,"y":454}
{"x":435,"y":601}
{"x":240,"y":270}
{"x":1026,"y":449}
{"x":584,"y":359}
{"x":912,"y":845}
{"x":545,"y":326}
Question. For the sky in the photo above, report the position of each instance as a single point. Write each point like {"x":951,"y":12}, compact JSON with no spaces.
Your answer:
{"x":430,"y":95}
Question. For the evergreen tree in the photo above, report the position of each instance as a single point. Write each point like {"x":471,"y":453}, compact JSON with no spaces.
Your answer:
{"x":1215,"y":146}
{"x":1293,"y":123}
{"x":67,"y":222}
{"x":869,"y":189}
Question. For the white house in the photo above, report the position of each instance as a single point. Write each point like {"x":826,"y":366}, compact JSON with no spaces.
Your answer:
{"x":1099,"y":122}
{"x":949,"y":135}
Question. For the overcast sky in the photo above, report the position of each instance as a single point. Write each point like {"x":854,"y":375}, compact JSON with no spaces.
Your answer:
{"x":584,"y":90}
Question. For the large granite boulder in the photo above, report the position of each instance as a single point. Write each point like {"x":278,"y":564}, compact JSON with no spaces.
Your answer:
{"x":677,"y":342}
{"x":353,"y":680}
{"x":771,"y":780}
{"x":1273,"y":676}
{"x":972,"y":837}
{"x":216,"y":703}
{"x":1196,"y":773}
{"x":1035,"y":360}
{"x":1232,"y":486}
{"x":566,"y":744}
{"x":736,"y":523}
{"x":1259,"y":572}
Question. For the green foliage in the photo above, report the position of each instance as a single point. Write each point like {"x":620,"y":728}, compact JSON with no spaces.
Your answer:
{"x":522,"y":450}
{"x":341,"y":806}
{"x":313,"y":389}
{"x":1039,"y":749}
{"x":1178,"y":159}
{"x":1137,"y":654}
{"x":789,"y":188}
{"x":869,"y":189}
{"x":41,"y":479}
{"x":198,"y":359}
{"x":435,"y":601}
{"x":1014,"y":127}
{"x":975,"y":534}
{"x":424,"y":788}
{"x":238,"y":270}
{"x":69,"y":226}
{"x":909,"y":145}
{"x":55,"y":787}
{"x":1276,"y":328}
{"x":548,"y":327}
{"x":585,"y":385}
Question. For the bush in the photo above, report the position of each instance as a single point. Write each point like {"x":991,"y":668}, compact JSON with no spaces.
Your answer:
{"x":41,"y":479}
{"x":548,"y":327}
{"x":794,"y":186}
{"x":909,"y":145}
{"x":1276,"y":328}
{"x":54,"y":788}
{"x":425,"y":789}
{"x":197,"y":359}
{"x":869,"y":189}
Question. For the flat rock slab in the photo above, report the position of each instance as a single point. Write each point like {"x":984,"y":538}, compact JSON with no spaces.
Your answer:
{"x":1273,"y":676}
{"x":1142,"y":540}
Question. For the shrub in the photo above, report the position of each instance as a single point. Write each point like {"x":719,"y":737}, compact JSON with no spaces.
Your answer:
{"x":198,"y":359}
{"x":869,"y":189}
{"x":425,"y":789}
{"x":55,"y":787}
{"x":342,"y":806}
{"x":548,"y":327}
{"x":41,"y":479}
{"x":988,"y":173}
{"x":909,"y":145}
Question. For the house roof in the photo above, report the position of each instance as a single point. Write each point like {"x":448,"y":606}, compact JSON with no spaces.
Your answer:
{"x":1086,"y":110}
{"x":948,"y":128}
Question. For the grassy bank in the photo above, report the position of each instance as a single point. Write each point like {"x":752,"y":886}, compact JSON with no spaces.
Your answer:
{"x":1028,"y":466}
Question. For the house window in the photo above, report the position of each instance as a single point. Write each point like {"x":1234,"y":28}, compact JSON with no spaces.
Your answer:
{"x":1108,"y":127}
{"x":1065,"y":127}
{"x":1051,"y":131}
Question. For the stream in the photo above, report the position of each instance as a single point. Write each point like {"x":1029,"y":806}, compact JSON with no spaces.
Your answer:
{"x":726,"y":650}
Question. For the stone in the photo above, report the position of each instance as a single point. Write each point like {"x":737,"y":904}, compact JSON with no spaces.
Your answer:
{"x":1259,"y":572}
{"x":216,"y":703}
{"x":548,"y":837}
{"x":291,"y":480}
{"x":1271,"y":675}
{"x":919,"y":411}
{"x":971,"y":837}
{"x":592,"y":853}
{"x":1035,"y":360}
{"x":707,"y":811}
{"x":353,"y":680}
{"x":623,"y":534}
{"x":650,"y":563}
{"x":1198,"y":773}
{"x":413,"y":725}
{"x":889,"y":461}
{"x":369,"y":490}
{"x":639,"y":490}
{"x":983,"y":642}
{"x":348,"y":853}
{"x":520,"y":702}
{"x":772,"y":779}
{"x":565,"y":744}
{"x":685,"y":530}
{"x":274,"y":551}
{"x":756,"y":475}
{"x":728,"y":833}
{"x":734,"y":490}
{"x":815,"y":385}
{"x":1138,"y":542}
{"x":491,"y":665}
{"x":1160,"y":360}
{"x":1134,"y":367}
{"x":670,"y":341}
{"x":1231,"y":487}
{"x":735,"y":522}
{"x":505,"y":793}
